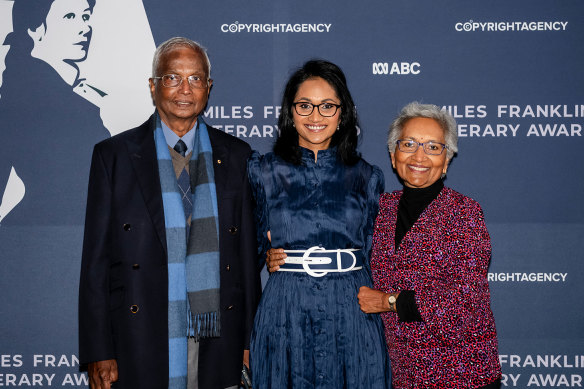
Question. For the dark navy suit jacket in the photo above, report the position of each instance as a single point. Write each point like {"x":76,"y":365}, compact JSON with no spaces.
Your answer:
{"x":123,"y":295}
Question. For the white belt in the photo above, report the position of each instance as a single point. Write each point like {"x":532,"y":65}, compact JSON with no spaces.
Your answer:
{"x":305,"y":260}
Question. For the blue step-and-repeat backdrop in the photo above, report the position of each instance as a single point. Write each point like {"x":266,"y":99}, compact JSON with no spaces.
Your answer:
{"x":74,"y":72}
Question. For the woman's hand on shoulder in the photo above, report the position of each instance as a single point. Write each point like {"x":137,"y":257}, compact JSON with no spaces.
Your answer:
{"x":372,"y":300}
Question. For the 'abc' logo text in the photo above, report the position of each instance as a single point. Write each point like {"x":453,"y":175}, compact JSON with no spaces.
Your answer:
{"x":397,"y":68}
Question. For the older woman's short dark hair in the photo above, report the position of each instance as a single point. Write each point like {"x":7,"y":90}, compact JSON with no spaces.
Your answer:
{"x":430,"y":111}
{"x":173,"y":43}
{"x":345,"y":138}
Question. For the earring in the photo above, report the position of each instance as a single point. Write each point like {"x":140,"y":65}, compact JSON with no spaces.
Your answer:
{"x":338,"y":127}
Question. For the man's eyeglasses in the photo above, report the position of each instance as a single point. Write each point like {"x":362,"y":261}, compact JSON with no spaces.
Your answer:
{"x":411,"y":146}
{"x":304,"y":108}
{"x":174,"y":80}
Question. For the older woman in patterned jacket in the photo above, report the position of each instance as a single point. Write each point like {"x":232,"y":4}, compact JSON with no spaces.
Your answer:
{"x":431,"y":252}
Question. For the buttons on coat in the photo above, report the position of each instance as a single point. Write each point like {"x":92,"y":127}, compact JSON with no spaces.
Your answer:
{"x":227,"y":267}
{"x":127,"y":227}
{"x":233,"y":230}
{"x":135,"y":266}
{"x":229,"y":308}
{"x":134,"y":308}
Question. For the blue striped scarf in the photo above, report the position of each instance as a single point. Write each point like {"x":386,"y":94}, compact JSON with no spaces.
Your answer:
{"x":193,"y":270}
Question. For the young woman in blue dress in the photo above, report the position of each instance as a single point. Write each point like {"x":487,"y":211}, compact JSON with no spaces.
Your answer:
{"x":316,"y":201}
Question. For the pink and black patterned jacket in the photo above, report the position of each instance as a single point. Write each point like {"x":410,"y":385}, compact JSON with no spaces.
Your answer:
{"x":444,"y":258}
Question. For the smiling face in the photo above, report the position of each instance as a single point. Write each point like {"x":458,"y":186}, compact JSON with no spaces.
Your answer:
{"x":420,"y":170}
{"x":180,"y":106}
{"x":315,"y":131}
{"x":68,"y":30}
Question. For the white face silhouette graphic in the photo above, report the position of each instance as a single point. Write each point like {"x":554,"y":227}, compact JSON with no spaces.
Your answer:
{"x":67,"y":30}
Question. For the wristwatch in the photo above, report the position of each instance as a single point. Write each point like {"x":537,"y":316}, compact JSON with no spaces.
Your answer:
{"x":392,"y":300}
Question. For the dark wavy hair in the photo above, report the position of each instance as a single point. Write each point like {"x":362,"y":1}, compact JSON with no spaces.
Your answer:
{"x":345,"y":138}
{"x":30,"y":14}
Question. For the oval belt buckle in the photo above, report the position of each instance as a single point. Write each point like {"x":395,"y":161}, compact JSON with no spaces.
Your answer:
{"x":306,"y":258}
{"x":339,"y":262}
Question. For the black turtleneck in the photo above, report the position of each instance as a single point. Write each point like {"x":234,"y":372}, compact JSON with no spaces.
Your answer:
{"x":411,"y":205}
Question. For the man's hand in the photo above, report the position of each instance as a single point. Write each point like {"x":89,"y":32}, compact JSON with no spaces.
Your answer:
{"x":102,"y":374}
{"x":246,"y":358}
{"x":245,"y":378}
{"x":372,"y":300}
{"x":275,"y":258}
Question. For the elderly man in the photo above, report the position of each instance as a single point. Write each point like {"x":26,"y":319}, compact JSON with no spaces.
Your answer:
{"x":169,"y":282}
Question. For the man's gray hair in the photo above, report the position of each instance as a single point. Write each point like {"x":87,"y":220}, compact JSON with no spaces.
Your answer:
{"x":173,"y":43}
{"x":430,"y":111}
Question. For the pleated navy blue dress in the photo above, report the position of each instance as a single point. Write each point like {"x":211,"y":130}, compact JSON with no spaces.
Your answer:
{"x":309,"y":332}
